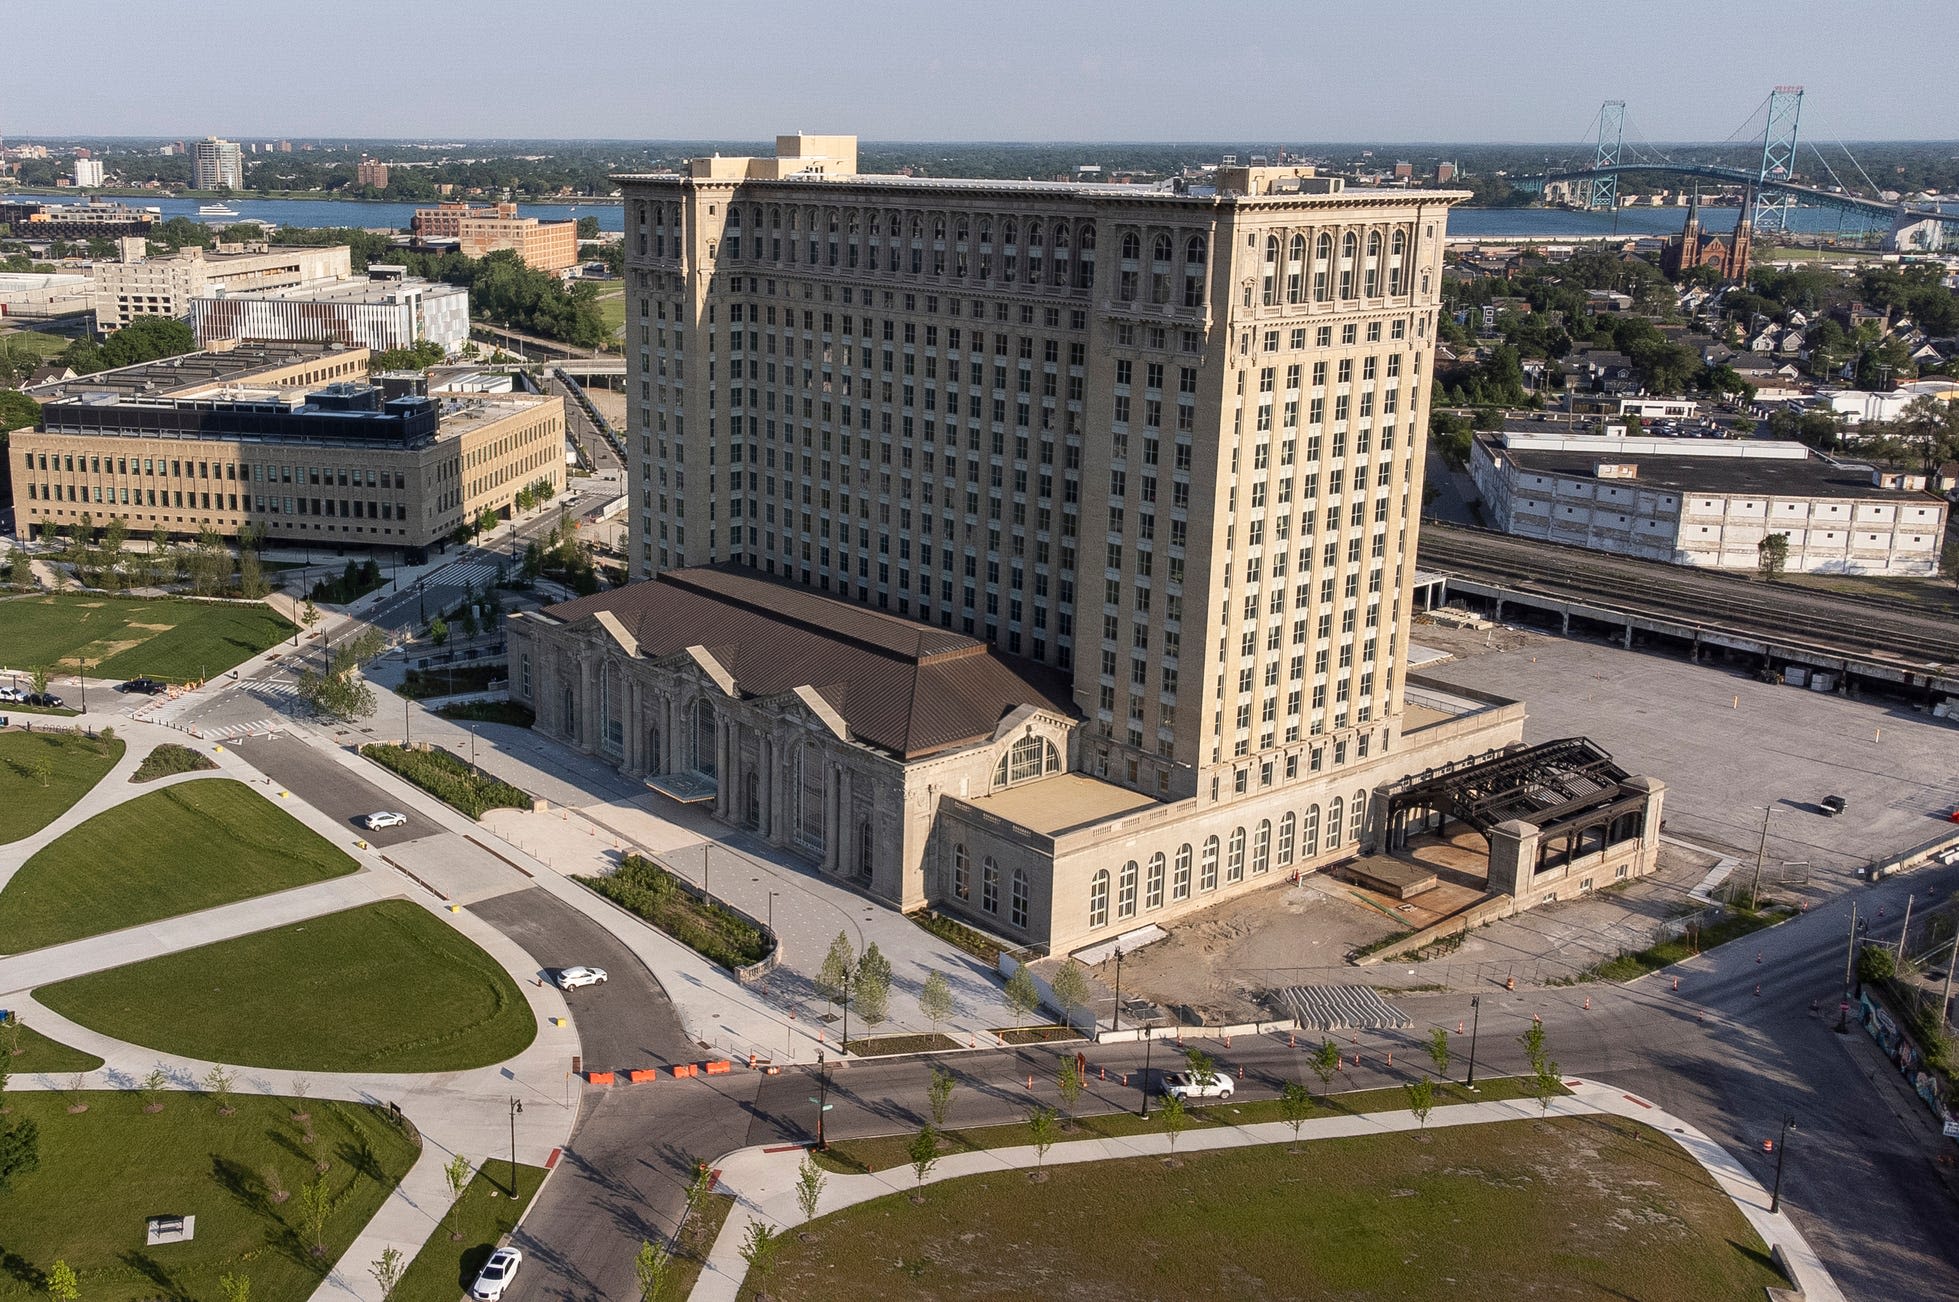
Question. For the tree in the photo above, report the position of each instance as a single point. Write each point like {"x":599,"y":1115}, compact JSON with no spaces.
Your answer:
{"x":38,"y":678}
{"x":438,"y":630}
{"x":1203,"y":1068}
{"x":235,"y":1288}
{"x":20,"y":1151}
{"x":62,"y":1285}
{"x":809,"y":1187}
{"x":758,"y":1250}
{"x":939,"y":1095}
{"x":1533,"y":1041}
{"x":486,"y":520}
{"x":144,"y":339}
{"x":872,"y":996}
{"x":456,"y":1174}
{"x":699,"y":1187}
{"x":1421,"y":1098}
{"x":1023,"y":996}
{"x":17,"y":410}
{"x":833,"y":978}
{"x":218,"y":1082}
{"x":935,"y":1000}
{"x":1068,"y":1079}
{"x":1041,"y":1126}
{"x":1295,"y":1105}
{"x":1772,"y":553}
{"x":1070,"y":986}
{"x":419,"y":356}
{"x":315,"y":1205}
{"x":1324,"y":1062}
{"x":1544,"y":1083}
{"x":652,"y":1267}
{"x":251,"y":576}
{"x":41,"y":768}
{"x":923,"y":1152}
{"x":1438,"y":1051}
{"x":1175,"y":1118}
{"x":152,"y":1085}
{"x":338,"y":695}
{"x":387,"y":1270}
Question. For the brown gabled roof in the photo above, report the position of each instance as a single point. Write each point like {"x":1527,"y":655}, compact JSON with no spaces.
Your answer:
{"x":907,"y":687}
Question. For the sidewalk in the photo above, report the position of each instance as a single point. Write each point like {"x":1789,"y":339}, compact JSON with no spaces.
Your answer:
{"x":763,"y":1181}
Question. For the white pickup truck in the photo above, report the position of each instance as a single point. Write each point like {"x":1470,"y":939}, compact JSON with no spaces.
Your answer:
{"x":1186,"y":1086}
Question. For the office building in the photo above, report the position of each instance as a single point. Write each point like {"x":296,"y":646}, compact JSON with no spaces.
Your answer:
{"x":217,"y":165}
{"x":134,"y":285}
{"x":1708,"y":502}
{"x":1151,"y":453}
{"x":547,"y":246}
{"x":385,"y":309}
{"x":288,"y":436}
{"x":88,"y":173}
{"x":27,"y":219}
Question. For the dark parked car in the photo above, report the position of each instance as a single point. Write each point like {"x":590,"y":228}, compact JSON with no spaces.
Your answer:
{"x":47,"y":700}
{"x":147,"y":686}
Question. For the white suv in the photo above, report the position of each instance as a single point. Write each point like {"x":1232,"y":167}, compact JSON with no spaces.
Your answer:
{"x":384,"y":818}
{"x":1186,"y":1086}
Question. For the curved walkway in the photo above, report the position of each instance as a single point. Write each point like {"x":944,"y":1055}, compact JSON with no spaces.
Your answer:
{"x":763,"y":1180}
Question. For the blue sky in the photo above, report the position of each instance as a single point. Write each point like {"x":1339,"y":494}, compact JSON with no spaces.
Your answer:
{"x":1227,"y":70}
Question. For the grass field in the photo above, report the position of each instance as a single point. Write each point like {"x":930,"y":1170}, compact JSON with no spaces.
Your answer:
{"x":44,"y":345}
{"x":187,"y":847}
{"x":485,"y":1213}
{"x":122,"y":637}
{"x":385,"y":987}
{"x":76,"y":764}
{"x":1576,"y":1207}
{"x":34,"y":1054}
{"x":104,"y":1170}
{"x":170,"y":759}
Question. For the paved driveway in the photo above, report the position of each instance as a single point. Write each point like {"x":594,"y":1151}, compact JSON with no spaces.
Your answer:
{"x":344,"y":796}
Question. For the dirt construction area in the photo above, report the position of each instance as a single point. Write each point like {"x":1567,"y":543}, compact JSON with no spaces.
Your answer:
{"x":1729,"y":749}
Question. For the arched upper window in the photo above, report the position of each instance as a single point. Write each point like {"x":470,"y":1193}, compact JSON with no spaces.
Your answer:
{"x":1180,"y":878}
{"x":1160,"y":249}
{"x":1008,"y":230}
{"x":1033,"y":233}
{"x":1098,"y":899}
{"x":989,"y":885}
{"x":1207,"y":876}
{"x":1132,"y":246}
{"x":1262,"y":848}
{"x":960,"y":229}
{"x":1373,"y":244}
{"x":1323,"y":247}
{"x":1029,"y":757}
{"x":1153,"y":889}
{"x":1309,"y":832}
{"x":1017,"y":900}
{"x":1194,"y":250}
{"x":1126,"y":891}
{"x":962,"y":873}
{"x":1087,"y":242}
{"x":1285,"y":838}
{"x":1349,"y":245}
{"x":1335,"y":809}
{"x":1357,"y":816}
{"x":1399,"y":244}
{"x":1268,"y":292}
{"x":1234,"y":856}
{"x":986,"y":230}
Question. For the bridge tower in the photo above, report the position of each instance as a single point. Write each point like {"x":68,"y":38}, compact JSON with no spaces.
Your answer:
{"x":1772,"y":207}
{"x":1604,"y":188}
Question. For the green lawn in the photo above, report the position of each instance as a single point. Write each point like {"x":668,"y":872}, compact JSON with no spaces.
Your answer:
{"x":1574,"y":1207}
{"x":76,"y":764}
{"x":103,"y":1171}
{"x":385,"y":987}
{"x":34,"y":1054}
{"x":43,"y":344}
{"x":187,"y":847}
{"x":486,"y":1212}
{"x":123,"y":637}
{"x":170,"y":759}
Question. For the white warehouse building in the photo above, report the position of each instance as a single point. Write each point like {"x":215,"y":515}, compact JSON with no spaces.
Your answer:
{"x":1708,"y":503}
{"x":387,"y":309}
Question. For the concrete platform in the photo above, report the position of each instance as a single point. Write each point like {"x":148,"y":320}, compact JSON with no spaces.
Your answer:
{"x":1396,"y":878}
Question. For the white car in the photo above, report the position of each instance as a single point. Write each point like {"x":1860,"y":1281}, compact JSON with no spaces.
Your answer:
{"x":570,"y":978}
{"x":496,"y":1274}
{"x":12,"y":694}
{"x":1186,"y":1086}
{"x":384,"y":818}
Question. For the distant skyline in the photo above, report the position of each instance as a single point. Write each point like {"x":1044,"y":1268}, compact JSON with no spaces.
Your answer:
{"x":1279,"y":71}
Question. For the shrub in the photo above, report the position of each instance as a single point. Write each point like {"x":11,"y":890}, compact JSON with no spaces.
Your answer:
{"x":647,"y":890}
{"x":449,"y":779}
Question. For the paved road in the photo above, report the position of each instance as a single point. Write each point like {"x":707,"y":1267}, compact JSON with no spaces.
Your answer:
{"x":625,"y":1023}
{"x":328,"y":786}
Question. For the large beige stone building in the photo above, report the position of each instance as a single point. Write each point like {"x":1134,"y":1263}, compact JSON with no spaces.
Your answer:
{"x":134,"y":284}
{"x":1164,"y":443}
{"x":547,"y":246}
{"x":290,"y":437}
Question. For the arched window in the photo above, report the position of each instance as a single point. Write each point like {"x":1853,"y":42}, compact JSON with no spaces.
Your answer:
{"x":570,"y":716}
{"x":1373,"y":244}
{"x":1126,"y":891}
{"x":1262,"y":848}
{"x":1334,"y":811}
{"x":809,"y":796}
{"x":1268,"y":292}
{"x":986,"y":230}
{"x":1296,"y":269}
{"x":1398,"y":244}
{"x":1194,"y":250}
{"x":1153,"y":890}
{"x":1234,"y":858}
{"x":1349,"y":248}
{"x":1371,"y":275}
{"x":1357,"y":816}
{"x":1180,"y":878}
{"x":989,"y":885}
{"x":1160,"y":249}
{"x":1008,"y":230}
{"x":866,"y":846}
{"x":1132,"y":246}
{"x":1322,"y":255}
{"x":1029,"y":757}
{"x":1098,"y":899}
{"x":704,"y":748}
{"x":1017,"y":899}
{"x":1285,"y":838}
{"x":1397,"y":280}
{"x":1309,"y":833}
{"x":1207,"y":875}
{"x":1033,"y":233}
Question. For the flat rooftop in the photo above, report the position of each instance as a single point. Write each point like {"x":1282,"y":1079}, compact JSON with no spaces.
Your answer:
{"x":355,"y":291}
{"x":1157,"y":191}
{"x":1767,"y":476}
{"x":180,"y":376}
{"x":1058,"y":804}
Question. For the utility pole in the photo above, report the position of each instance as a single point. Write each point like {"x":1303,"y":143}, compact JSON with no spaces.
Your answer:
{"x":1115,"y":1018}
{"x":1849,"y":958}
{"x":1905,"y":931}
{"x":1781,"y":1147}
{"x":1149,"y":1043}
{"x":1476,"y":1024}
{"x":1761,"y":849}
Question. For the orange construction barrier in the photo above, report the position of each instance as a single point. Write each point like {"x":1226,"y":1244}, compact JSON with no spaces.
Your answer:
{"x":681,"y":1070}
{"x":641,"y":1075}
{"x":720,"y":1068}
{"x":598,"y":1077}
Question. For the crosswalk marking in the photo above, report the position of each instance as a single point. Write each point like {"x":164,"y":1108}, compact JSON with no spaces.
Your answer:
{"x":229,"y":731}
{"x":465,"y":574}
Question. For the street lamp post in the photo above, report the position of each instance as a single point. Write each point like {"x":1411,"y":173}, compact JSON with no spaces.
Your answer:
{"x":516,"y":1106}
{"x":772,"y":895}
{"x":1476,"y":1024}
{"x":472,"y":747}
{"x":822,"y":1098}
{"x":1781,"y":1149}
{"x":1115,"y":1017}
{"x":1149,"y":1043}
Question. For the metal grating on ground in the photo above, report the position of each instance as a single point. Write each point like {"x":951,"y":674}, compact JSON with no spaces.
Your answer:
{"x":1342,"y":1008}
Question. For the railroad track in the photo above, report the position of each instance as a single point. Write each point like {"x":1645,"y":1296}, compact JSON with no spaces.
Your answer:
{"x":1693,"y":597}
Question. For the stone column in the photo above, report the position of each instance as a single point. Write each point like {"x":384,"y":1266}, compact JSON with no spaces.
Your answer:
{"x":845,"y":859}
{"x":765,"y":781}
{"x":830,"y":783}
{"x":587,"y":704}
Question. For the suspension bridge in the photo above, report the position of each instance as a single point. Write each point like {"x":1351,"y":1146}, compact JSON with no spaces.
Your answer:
{"x":1771,"y":177}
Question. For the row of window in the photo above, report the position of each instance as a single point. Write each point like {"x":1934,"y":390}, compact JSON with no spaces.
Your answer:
{"x":989,"y":886}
